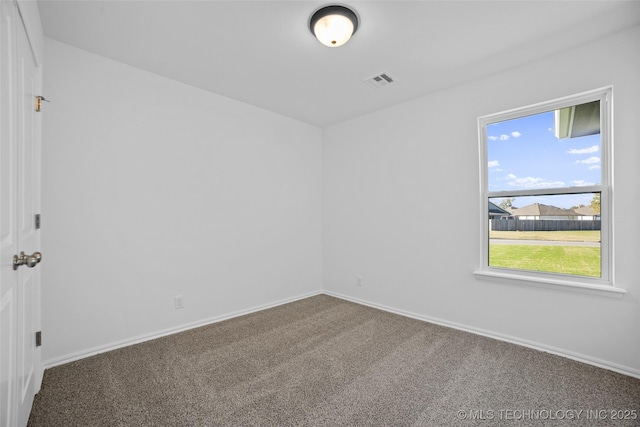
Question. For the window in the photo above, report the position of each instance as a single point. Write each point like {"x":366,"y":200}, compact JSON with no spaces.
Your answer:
{"x":546,"y":192}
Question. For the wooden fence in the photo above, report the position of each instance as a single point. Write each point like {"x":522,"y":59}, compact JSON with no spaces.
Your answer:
{"x":542,"y":225}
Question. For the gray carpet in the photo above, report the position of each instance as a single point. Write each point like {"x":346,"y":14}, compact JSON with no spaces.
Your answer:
{"x":323,"y":361}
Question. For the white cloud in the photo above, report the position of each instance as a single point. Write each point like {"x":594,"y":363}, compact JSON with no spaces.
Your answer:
{"x":588,"y":150}
{"x":589,"y":161}
{"x":493,"y":163}
{"x":594,"y":167}
{"x":516,"y":134}
{"x":531,"y":182}
{"x":502,"y":137}
{"x":581,"y":183}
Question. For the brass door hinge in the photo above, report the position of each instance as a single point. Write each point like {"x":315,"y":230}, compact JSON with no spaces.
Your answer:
{"x":39,"y":100}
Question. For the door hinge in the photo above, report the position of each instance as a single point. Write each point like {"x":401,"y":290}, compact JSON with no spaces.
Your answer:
{"x":39,"y":100}
{"x":38,"y":338}
{"x":37,"y":220}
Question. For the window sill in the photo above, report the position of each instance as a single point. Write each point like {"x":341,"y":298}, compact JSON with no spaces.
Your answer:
{"x":549,"y":283}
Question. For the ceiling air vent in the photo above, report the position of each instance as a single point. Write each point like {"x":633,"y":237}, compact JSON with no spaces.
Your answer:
{"x":379,"y":80}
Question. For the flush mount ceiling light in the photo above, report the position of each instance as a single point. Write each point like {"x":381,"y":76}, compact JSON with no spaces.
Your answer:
{"x":333,"y":25}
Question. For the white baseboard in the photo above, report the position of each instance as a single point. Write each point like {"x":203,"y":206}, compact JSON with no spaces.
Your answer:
{"x":625,"y":370}
{"x":148,"y":337}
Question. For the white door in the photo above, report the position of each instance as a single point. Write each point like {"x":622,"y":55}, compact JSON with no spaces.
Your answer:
{"x":19,"y":202}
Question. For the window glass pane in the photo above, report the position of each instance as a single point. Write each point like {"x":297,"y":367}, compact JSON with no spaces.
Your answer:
{"x":560,"y":148}
{"x":554,"y":234}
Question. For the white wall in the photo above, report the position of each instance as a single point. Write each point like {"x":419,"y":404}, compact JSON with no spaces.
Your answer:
{"x":391,"y":175}
{"x":153,"y":189}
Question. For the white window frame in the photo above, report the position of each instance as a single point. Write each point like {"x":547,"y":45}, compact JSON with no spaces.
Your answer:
{"x":603,"y":285}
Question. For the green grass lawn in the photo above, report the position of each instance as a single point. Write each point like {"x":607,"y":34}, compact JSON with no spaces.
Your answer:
{"x":574,"y":260}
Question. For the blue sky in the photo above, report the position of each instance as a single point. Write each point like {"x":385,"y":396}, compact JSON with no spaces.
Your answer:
{"x":524,"y":153}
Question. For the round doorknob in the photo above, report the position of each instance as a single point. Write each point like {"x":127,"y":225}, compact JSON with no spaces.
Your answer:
{"x":28,"y":260}
{"x":31,"y":261}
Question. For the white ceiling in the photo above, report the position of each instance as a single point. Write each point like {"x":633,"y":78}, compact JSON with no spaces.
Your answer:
{"x":262,"y":53}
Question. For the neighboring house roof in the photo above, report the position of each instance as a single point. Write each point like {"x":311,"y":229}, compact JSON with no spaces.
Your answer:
{"x":578,"y":120}
{"x":495,"y":210}
{"x":587,"y":211}
{"x":538,"y":209}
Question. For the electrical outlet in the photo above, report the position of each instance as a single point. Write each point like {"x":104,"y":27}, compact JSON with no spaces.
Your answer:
{"x":179,"y":302}
{"x":359,"y":281}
